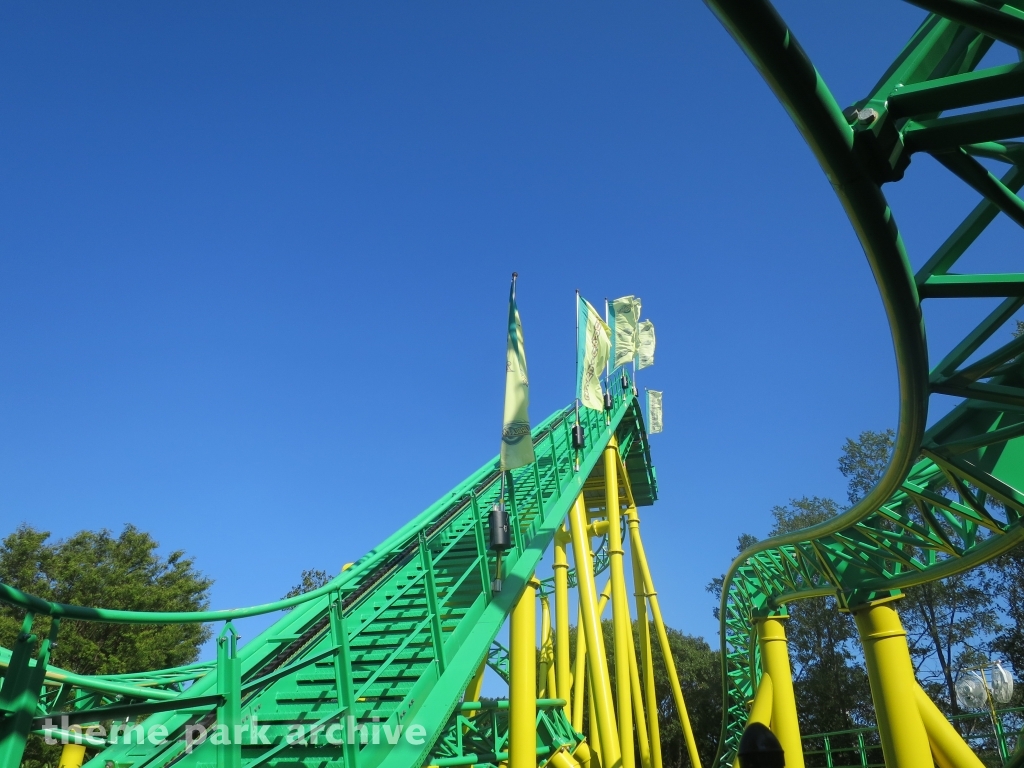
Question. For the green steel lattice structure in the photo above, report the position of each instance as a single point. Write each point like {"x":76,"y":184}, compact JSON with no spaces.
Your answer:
{"x":951,"y":497}
{"x":399,"y":635}
{"x":394,"y":639}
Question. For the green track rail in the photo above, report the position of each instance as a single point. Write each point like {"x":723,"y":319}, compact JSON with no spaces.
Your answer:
{"x":951,"y":497}
{"x":393,"y":640}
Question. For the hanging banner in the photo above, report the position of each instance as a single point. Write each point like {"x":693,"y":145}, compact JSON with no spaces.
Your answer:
{"x":645,"y":334}
{"x":516,"y":441}
{"x":653,"y":411}
{"x":592,"y":353}
{"x":623,"y":320}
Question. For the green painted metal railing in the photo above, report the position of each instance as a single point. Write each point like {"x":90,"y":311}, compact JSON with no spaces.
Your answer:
{"x":391,"y":642}
{"x":862,"y":747}
{"x":952,"y":496}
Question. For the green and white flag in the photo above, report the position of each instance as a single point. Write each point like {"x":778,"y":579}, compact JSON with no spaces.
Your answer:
{"x":623,"y":319}
{"x":645,"y":333}
{"x":592,"y":354}
{"x":653,"y":411}
{"x":516,"y":442}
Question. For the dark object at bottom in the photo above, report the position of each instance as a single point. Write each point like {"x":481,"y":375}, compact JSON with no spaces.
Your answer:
{"x":578,"y":437}
{"x":760,"y":749}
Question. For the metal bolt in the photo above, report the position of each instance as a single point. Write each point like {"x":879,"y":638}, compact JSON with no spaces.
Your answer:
{"x":867,"y":116}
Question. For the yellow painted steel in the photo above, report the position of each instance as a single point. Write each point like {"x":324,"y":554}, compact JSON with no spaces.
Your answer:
{"x":771,"y":639}
{"x":891,"y":674}
{"x":594,"y":734}
{"x":476,"y":685}
{"x":639,"y":716}
{"x":474,"y":689}
{"x":562,"y":759}
{"x":546,"y":651}
{"x":621,"y":619}
{"x":563,"y":670}
{"x":579,"y":674}
{"x":583,"y":755}
{"x":760,"y":708}
{"x":666,"y":650}
{"x":948,"y":748}
{"x":644,"y":628}
{"x":72,"y":756}
{"x":522,"y":717}
{"x":610,"y":755}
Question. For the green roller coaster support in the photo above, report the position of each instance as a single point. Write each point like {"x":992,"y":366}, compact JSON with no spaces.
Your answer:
{"x":951,"y":497}
{"x":392,"y":641}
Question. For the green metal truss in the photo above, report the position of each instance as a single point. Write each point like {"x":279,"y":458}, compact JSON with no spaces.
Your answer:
{"x":393,"y":640}
{"x":952,"y":496}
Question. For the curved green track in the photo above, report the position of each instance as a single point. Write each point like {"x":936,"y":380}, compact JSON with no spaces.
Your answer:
{"x":393,"y":640}
{"x":953,"y":494}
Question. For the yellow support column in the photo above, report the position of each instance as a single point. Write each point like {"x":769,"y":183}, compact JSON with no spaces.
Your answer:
{"x":639,"y":717}
{"x":771,"y":638}
{"x":547,"y":656}
{"x":72,"y":756}
{"x":760,"y":708}
{"x":594,"y":736}
{"x":644,"y":626}
{"x":546,"y":652}
{"x":610,"y":756}
{"x":563,"y":672}
{"x":522,"y":716}
{"x":948,"y":747}
{"x":579,"y":677}
{"x":621,"y":620}
{"x":891,"y":674}
{"x":476,"y":684}
{"x":666,"y":649}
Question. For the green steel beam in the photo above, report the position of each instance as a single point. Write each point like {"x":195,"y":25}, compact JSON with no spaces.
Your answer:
{"x":956,"y":91}
{"x":972,"y":286}
{"x":1005,"y":24}
{"x":946,"y":133}
{"x":924,"y":520}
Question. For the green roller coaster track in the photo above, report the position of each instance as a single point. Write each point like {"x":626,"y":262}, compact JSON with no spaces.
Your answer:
{"x":396,"y":638}
{"x":951,"y":497}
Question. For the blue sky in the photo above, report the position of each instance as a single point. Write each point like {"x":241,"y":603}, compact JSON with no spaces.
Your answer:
{"x":254,"y":264}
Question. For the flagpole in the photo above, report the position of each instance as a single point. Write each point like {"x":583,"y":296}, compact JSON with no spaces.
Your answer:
{"x":577,"y":371}
{"x":515,"y":277}
{"x":611,"y":342}
{"x":577,"y":430}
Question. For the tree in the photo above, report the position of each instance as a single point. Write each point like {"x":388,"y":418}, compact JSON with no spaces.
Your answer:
{"x":864,"y":460}
{"x":312,"y":579}
{"x":95,"y":568}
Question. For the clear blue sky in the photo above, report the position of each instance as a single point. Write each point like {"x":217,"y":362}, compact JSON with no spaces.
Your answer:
{"x":255,"y":263}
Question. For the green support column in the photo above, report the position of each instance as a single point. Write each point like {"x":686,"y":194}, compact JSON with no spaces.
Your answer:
{"x":229,"y":685}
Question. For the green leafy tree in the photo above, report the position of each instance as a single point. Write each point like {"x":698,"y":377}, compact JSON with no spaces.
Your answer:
{"x":123,"y":572}
{"x":96,"y":568}
{"x":310,"y":580}
{"x":864,"y":460}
